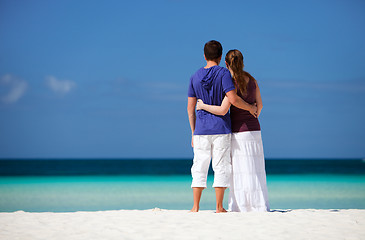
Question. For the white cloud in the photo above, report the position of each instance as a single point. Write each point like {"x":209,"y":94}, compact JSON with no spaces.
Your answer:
{"x":17,"y":88}
{"x":60,"y":86}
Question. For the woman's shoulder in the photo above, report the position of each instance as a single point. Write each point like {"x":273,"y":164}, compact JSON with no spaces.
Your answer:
{"x":249,"y":78}
{"x":251,"y":82}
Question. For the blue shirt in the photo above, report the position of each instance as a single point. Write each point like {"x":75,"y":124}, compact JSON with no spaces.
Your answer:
{"x":211,"y":85}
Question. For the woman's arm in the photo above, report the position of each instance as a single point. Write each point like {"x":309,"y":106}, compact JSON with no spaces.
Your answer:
{"x":217,"y":110}
{"x":258,"y":100}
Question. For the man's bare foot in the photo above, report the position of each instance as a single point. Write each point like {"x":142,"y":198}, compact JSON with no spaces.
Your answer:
{"x":194,"y":209}
{"x":221,"y":210}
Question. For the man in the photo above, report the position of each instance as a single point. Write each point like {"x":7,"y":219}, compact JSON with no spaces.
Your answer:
{"x":211,"y":133}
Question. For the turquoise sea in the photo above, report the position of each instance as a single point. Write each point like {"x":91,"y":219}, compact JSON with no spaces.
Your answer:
{"x":51,"y":189}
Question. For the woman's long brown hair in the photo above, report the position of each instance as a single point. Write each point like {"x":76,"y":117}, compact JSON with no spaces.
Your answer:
{"x":234,"y":59}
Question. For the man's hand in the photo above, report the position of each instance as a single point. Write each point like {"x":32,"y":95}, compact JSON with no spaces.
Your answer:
{"x":192,"y":141}
{"x":253,"y":110}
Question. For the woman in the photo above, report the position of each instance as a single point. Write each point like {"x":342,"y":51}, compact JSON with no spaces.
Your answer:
{"x":248,"y":191}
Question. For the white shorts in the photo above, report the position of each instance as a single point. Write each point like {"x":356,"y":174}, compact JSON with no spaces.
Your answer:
{"x":217,"y":148}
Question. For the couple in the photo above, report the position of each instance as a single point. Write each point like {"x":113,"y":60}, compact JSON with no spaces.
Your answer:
{"x":232,"y":140}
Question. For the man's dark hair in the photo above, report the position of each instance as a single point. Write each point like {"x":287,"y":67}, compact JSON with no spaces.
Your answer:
{"x":213,"y":50}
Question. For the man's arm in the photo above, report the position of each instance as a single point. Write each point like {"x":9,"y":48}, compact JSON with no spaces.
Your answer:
{"x":192,"y":116}
{"x":238,"y":102}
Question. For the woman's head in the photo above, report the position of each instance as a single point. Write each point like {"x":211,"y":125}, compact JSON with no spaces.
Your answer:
{"x":234,"y":62}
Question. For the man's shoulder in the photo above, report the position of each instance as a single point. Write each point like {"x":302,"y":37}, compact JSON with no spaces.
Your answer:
{"x":218,"y":69}
{"x":224,"y":70}
{"x":221,"y":71}
{"x":197,"y":72}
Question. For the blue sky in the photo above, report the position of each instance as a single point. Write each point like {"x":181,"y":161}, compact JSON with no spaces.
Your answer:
{"x":108,"y":79}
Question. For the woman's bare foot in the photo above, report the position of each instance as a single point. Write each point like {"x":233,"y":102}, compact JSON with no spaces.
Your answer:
{"x":194,"y":209}
{"x":221,"y":210}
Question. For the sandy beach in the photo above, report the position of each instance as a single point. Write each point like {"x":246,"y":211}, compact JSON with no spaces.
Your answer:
{"x":178,"y":224}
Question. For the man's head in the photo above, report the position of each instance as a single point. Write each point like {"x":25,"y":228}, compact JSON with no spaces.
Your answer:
{"x":213,"y":51}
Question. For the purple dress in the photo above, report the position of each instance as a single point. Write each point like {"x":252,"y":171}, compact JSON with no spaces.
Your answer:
{"x":242,"y":120}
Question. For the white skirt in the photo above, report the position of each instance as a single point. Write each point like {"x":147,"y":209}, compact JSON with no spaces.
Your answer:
{"x":248,"y":191}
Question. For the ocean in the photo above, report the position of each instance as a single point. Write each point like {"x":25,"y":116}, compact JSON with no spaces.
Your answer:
{"x":67,"y":185}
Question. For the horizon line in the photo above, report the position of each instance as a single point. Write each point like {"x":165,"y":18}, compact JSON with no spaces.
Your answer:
{"x":171,"y":159}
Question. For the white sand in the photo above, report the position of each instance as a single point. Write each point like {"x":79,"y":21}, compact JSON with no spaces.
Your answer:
{"x":177,"y":224}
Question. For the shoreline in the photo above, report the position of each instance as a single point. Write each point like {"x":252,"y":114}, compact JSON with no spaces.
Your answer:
{"x":180,"y":224}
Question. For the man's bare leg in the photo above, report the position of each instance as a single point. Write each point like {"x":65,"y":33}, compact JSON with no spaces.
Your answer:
{"x":219,"y":194}
{"x":197,"y":193}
